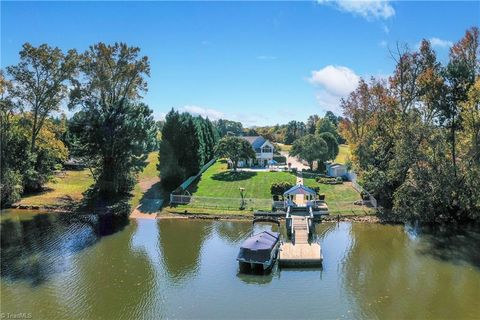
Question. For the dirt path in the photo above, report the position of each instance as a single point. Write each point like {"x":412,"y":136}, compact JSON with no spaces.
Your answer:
{"x":151,"y":201}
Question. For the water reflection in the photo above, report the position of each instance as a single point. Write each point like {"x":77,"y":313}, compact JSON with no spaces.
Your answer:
{"x":35,"y":248}
{"x":187,"y":269}
{"x":181,"y":244}
{"x":384,"y":275}
{"x":233,"y":231}
{"x":454,"y":244}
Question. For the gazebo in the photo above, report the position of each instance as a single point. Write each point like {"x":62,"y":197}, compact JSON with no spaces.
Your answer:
{"x":299,"y":195}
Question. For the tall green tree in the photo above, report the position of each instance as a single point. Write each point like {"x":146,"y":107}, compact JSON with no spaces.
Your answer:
{"x":295,"y":130}
{"x":332,"y":145}
{"x":171,"y":173}
{"x":12,"y":144}
{"x":414,"y":138}
{"x":312,"y":123}
{"x":115,"y":128}
{"x":310,"y":148}
{"x":235,"y":149}
{"x":228,"y":127}
{"x":460,"y":74}
{"x":40,"y":82}
{"x":325,"y":125}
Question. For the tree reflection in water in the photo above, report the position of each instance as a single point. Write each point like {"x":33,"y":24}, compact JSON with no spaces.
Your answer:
{"x":181,"y":244}
{"x":33,"y":249}
{"x":389,"y":275}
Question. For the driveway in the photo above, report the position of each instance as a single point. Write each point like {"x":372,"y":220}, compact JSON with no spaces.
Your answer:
{"x":296,"y":163}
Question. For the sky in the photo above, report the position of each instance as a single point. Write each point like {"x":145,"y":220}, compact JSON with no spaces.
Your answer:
{"x":260,"y":63}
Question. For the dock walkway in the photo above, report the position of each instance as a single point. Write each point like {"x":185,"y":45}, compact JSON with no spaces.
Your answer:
{"x":300,"y":252}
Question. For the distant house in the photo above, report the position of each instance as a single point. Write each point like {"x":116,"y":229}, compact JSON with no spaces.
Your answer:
{"x":263,"y":152}
{"x":336,"y":170}
{"x":74,"y":164}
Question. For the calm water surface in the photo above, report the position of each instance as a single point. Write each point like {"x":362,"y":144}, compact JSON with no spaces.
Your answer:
{"x":58,"y":268}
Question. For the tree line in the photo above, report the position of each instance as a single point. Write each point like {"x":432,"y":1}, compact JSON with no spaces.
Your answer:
{"x":111,"y":130}
{"x":188,"y":142}
{"x":285,"y":133}
{"x":415,"y":138}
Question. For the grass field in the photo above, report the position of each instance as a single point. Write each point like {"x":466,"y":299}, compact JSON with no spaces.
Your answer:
{"x":218,"y":182}
{"x":217,"y":192}
{"x":66,"y":187}
{"x":339,"y":197}
{"x":343,"y":154}
{"x":285,"y":147}
{"x":70,"y":184}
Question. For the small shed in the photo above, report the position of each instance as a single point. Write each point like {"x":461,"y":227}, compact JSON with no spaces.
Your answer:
{"x":336,"y":170}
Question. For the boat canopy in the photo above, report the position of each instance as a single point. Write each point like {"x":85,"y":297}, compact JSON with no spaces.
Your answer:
{"x":258,"y":247}
{"x":299,"y":189}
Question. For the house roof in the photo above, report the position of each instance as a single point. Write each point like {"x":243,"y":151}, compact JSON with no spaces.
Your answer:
{"x":300,"y":189}
{"x":256,"y":141}
{"x":335,"y":165}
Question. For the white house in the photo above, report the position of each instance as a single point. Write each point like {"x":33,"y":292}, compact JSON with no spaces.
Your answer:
{"x":263,"y":152}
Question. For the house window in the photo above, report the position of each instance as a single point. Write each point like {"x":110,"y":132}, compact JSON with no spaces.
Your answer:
{"x":267,"y":149}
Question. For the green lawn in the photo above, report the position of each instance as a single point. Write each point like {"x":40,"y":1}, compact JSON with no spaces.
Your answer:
{"x":70,"y":184}
{"x":343,"y":154}
{"x":339,"y":197}
{"x":217,"y":192}
{"x":67,"y":186}
{"x":218,"y":182}
{"x":285,"y":147}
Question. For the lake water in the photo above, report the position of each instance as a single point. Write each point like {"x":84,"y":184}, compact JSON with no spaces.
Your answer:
{"x":61,"y":268}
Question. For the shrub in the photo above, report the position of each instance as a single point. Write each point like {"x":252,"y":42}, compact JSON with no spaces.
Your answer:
{"x":322,"y":180}
{"x":280,"y":159}
{"x":278,"y":189}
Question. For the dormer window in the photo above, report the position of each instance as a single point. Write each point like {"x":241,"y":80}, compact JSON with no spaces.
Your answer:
{"x":267,"y":149}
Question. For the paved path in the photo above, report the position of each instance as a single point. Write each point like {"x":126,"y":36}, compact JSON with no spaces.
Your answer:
{"x":299,"y":179}
{"x":296,"y":163}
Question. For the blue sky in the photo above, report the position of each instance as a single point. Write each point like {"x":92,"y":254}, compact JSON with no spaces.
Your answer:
{"x":260,"y":63}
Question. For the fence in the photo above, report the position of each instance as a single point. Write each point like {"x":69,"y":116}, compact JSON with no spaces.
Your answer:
{"x":189,"y":181}
{"x":221,"y":203}
{"x":362,"y":191}
{"x":251,"y":204}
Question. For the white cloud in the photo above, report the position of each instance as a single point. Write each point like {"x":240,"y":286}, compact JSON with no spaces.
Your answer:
{"x":249,"y":119}
{"x":368,"y":9}
{"x":212,"y":114}
{"x":386,"y":29}
{"x":337,"y":80}
{"x":436,"y":43}
{"x":266,"y":57}
{"x":383,"y":44}
{"x":334,"y":83}
{"x":440,"y":43}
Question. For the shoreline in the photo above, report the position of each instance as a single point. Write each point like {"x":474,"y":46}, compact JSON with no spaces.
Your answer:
{"x":201,"y":216}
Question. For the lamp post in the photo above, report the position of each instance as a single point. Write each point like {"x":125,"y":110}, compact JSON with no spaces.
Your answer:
{"x":242,"y":196}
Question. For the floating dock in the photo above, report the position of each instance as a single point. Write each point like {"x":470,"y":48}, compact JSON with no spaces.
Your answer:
{"x":300,"y":255}
{"x":299,"y":252}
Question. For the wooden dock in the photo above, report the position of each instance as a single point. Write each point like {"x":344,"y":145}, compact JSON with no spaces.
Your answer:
{"x":300,"y":255}
{"x":299,"y":252}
